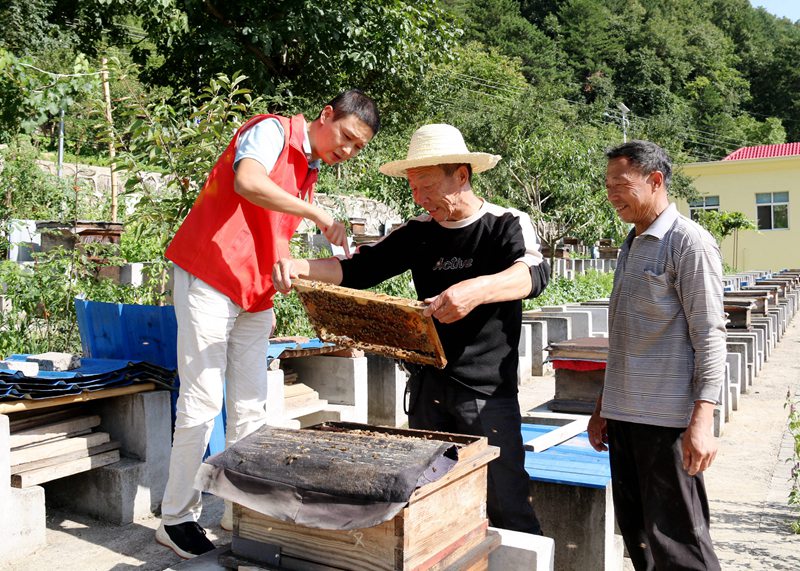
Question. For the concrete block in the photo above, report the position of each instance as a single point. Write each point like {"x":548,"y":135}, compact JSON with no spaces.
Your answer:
{"x":522,"y":551}
{"x":54,"y":361}
{"x":131,"y":489}
{"x":581,"y":320}
{"x":733,"y":365}
{"x":777,"y":314}
{"x":342,"y":381}
{"x":721,"y":409}
{"x":599,"y":317}
{"x":386,"y":389}
{"x":581,"y":521}
{"x":559,"y":328}
{"x":784,"y":314}
{"x":765,"y":325}
{"x":741,"y":350}
{"x":774,"y":318}
{"x":25,"y":367}
{"x":22,"y":524}
{"x":538,"y":342}
{"x":752,"y":350}
{"x":275,"y":395}
{"x":726,"y":392}
{"x":745,"y":380}
{"x":22,"y":513}
{"x":525,"y":365}
{"x":116,"y":493}
{"x":132,"y":274}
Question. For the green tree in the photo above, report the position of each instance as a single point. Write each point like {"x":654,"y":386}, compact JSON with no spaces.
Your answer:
{"x":299,"y":49}
{"x":500,"y":24}
{"x":721,"y":224}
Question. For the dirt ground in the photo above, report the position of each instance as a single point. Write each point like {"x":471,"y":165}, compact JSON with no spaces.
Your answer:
{"x":748,"y":487}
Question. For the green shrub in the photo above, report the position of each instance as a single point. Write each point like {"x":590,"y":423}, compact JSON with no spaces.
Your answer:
{"x":794,"y":431}
{"x":585,"y":287}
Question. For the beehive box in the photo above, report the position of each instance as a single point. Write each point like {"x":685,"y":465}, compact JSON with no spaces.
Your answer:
{"x":444,"y":522}
{"x":378,"y":323}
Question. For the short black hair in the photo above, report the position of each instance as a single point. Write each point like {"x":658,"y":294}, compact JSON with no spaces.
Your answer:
{"x":450,"y":168}
{"x":356,"y":102}
{"x":646,"y":155}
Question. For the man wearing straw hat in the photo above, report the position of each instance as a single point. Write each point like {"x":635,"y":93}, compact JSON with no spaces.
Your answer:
{"x":472,"y":262}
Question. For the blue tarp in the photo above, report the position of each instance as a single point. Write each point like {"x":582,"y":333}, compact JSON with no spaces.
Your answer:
{"x":93,"y":375}
{"x":573,"y":462}
{"x":148,"y":333}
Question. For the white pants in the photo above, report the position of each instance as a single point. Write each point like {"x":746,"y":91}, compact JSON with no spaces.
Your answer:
{"x":218,"y":343}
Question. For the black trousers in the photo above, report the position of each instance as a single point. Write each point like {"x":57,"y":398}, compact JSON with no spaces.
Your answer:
{"x":436,"y":402}
{"x":661,"y":510}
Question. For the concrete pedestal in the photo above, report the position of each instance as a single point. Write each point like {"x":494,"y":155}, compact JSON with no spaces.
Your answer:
{"x":22,"y":516}
{"x":735,"y":372}
{"x":525,"y":365}
{"x":385,"y":391}
{"x":131,"y":489}
{"x":538,"y":342}
{"x":342,"y":381}
{"x":581,"y":320}
{"x":558,"y":327}
{"x":581,"y":520}
{"x":522,"y":551}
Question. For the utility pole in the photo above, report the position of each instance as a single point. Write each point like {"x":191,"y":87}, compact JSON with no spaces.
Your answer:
{"x":60,"y":170}
{"x":624,"y":109}
{"x":112,"y":151}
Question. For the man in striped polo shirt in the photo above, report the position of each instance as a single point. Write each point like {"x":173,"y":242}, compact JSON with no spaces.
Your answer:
{"x":665,"y":367}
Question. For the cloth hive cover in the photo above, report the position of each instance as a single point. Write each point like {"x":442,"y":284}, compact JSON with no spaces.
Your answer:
{"x":326,"y":480}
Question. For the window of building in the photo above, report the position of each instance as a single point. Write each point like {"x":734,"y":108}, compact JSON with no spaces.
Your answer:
{"x":772,"y":210}
{"x":704,"y":203}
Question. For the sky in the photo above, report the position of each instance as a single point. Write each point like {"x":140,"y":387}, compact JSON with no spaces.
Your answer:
{"x":782,"y":8}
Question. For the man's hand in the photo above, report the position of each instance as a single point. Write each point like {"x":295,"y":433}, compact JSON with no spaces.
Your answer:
{"x":455,"y":302}
{"x":598,"y":430}
{"x":699,"y":444}
{"x":283,"y":272}
{"x":334,"y":231}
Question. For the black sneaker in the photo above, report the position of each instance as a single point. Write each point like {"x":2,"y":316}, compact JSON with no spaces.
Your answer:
{"x":186,"y":539}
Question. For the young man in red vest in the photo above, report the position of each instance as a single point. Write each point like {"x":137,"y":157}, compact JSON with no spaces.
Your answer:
{"x":239,"y":227}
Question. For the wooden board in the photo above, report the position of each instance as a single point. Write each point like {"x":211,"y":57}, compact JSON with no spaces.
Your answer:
{"x":31,"y":419}
{"x":62,"y":458}
{"x":383,"y":324}
{"x":32,"y":453}
{"x":41,"y":475}
{"x":557,"y":436}
{"x":53,"y":431}
{"x":26,"y":404}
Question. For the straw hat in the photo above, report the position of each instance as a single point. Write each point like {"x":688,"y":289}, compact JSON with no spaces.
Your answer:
{"x":438,"y":144}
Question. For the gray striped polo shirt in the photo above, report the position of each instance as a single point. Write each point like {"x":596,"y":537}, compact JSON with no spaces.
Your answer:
{"x":666,"y":324}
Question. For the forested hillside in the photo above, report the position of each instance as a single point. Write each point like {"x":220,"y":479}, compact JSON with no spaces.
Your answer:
{"x":545,"y":83}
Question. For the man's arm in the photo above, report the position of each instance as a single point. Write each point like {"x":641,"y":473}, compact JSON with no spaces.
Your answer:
{"x":328,"y":270}
{"x":700,"y":289}
{"x":252,"y":183}
{"x":458,"y":300}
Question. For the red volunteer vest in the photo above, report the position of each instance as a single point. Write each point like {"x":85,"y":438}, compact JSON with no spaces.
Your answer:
{"x":229,"y":242}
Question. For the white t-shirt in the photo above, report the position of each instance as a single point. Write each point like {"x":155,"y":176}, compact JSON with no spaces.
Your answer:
{"x":263,"y":142}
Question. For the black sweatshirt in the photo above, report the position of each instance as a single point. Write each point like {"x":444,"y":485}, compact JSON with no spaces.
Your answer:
{"x":481,"y":348}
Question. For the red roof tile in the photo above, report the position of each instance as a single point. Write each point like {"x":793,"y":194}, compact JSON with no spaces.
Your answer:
{"x":764,"y":152}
